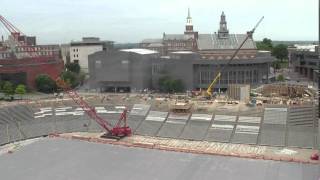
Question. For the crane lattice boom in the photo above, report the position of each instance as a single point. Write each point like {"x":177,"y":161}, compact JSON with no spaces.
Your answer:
{"x":117,"y":130}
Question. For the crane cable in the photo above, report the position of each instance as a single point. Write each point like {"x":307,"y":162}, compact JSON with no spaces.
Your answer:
{"x":249,"y":34}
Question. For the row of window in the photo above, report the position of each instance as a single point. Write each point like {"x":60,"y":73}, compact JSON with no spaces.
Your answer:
{"x":4,"y":55}
{"x":227,"y":57}
{"x":76,"y":50}
{"x":38,"y":48}
{"x":206,"y":77}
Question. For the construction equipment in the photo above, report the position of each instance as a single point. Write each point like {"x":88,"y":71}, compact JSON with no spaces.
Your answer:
{"x":17,"y":39}
{"x":117,"y":131}
{"x":215,"y":80}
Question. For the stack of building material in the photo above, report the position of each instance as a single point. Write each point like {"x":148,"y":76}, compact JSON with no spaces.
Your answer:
{"x":284,"y":90}
{"x":240,"y":92}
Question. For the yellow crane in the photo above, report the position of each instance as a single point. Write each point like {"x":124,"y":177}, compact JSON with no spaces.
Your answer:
{"x":217,"y":77}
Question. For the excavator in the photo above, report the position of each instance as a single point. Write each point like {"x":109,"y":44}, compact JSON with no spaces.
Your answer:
{"x":209,"y":92}
{"x":121,"y":129}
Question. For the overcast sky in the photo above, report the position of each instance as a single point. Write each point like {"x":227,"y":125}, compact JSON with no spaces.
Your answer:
{"x":54,"y":21}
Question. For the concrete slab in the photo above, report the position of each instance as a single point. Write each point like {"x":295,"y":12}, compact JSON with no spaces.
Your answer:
{"x":244,"y":138}
{"x":246,"y":134}
{"x":178,"y":118}
{"x":140,"y":109}
{"x":273,"y":135}
{"x":225,"y":118}
{"x":149,"y":128}
{"x":171,"y":130}
{"x":219,"y":133}
{"x":157,"y":116}
{"x":201,"y":117}
{"x":195,"y":129}
{"x":250,"y":120}
{"x":300,"y":136}
{"x":64,"y":159}
{"x":134,"y":121}
{"x":275,"y":116}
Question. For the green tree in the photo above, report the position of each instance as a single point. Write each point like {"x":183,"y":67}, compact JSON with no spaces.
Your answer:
{"x":82,"y":77}
{"x":45,"y":83}
{"x":71,"y":78}
{"x":20,"y":89}
{"x":280,"y":51}
{"x":265,"y":44}
{"x":167,"y":84}
{"x":177,"y":85}
{"x":1,"y":85}
{"x":73,"y":67}
{"x":8,"y":88}
{"x":276,"y":64}
{"x":280,"y":77}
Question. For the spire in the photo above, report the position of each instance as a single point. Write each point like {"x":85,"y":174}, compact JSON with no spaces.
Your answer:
{"x":189,"y":18}
{"x":189,"y":26}
{"x":223,"y":31}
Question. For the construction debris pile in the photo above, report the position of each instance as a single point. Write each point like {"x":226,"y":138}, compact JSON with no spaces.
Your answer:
{"x":289,"y":90}
{"x":283,"y":93}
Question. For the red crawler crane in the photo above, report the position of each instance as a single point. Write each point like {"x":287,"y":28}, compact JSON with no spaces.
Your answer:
{"x":117,"y":131}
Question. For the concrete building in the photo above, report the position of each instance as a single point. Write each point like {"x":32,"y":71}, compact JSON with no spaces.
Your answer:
{"x":79,"y":50}
{"x":22,"y":60}
{"x":305,"y":60}
{"x":125,"y":70}
{"x":139,"y":69}
{"x":191,"y":57}
{"x":65,"y":53}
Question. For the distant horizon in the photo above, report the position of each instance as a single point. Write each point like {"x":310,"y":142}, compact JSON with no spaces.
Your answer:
{"x":60,"y":22}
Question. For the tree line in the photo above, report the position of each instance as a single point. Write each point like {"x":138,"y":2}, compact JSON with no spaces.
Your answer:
{"x":279,"y":51}
{"x":72,"y":75}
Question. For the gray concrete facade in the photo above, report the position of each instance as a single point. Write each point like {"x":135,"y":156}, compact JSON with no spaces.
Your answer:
{"x":136,"y":71}
{"x":305,"y":61}
{"x":120,"y":71}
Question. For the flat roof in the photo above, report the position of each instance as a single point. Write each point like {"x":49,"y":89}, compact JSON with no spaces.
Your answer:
{"x":307,"y":47}
{"x":140,"y":51}
{"x":53,"y":159}
{"x":183,"y":52}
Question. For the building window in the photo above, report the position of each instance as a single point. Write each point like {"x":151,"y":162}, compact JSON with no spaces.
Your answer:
{"x":76,"y":61}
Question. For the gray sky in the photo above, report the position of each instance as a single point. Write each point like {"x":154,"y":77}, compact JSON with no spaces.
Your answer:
{"x":54,"y":21}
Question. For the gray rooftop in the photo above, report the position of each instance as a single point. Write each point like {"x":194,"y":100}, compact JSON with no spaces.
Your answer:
{"x":155,"y":45}
{"x":211,"y":41}
{"x":177,"y":37}
{"x":151,"y":41}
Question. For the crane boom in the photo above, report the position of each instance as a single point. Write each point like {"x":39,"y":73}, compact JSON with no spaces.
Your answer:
{"x":117,"y":130}
{"x":249,"y":34}
{"x":16,"y":33}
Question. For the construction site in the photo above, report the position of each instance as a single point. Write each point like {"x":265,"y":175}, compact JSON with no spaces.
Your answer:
{"x":272,"y":129}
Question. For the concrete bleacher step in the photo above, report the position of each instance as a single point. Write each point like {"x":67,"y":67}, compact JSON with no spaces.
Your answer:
{"x":301,"y":116}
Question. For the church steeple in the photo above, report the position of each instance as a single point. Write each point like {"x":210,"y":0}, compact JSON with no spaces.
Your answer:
{"x":189,"y":25}
{"x":223,"y":32}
